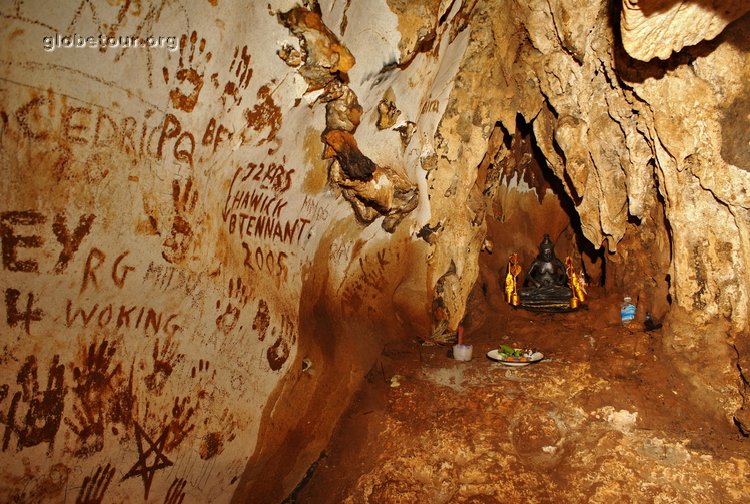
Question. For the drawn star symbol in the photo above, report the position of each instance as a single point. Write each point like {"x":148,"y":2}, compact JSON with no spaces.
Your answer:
{"x":141,"y":467}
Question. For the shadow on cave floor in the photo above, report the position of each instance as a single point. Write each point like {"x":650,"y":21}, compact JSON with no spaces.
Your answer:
{"x":600,"y":419}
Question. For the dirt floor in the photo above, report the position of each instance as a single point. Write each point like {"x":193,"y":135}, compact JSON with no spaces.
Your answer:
{"x":600,"y":419}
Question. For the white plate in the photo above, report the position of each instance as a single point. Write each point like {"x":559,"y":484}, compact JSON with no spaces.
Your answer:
{"x":496,"y":355}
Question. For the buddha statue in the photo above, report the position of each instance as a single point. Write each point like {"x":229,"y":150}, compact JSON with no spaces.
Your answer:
{"x":546,"y":287}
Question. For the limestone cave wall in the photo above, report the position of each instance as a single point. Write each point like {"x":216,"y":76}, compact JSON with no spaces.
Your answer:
{"x":644,"y":152}
{"x":206,"y":244}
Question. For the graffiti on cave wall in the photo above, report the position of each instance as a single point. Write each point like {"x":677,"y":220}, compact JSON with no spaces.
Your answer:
{"x":149,"y":233}
{"x":100,"y":395}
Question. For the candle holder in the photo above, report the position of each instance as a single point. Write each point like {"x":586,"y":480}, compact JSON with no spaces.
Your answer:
{"x":462,"y":352}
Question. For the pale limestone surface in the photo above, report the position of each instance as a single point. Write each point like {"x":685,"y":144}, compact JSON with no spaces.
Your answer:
{"x":153,"y":324}
{"x":140,"y":282}
{"x":659,"y":28}
{"x":162,"y":210}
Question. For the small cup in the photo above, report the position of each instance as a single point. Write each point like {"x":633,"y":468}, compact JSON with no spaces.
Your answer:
{"x":462,"y":352}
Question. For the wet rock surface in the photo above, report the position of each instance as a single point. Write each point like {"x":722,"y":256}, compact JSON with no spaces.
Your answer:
{"x":603,"y":418}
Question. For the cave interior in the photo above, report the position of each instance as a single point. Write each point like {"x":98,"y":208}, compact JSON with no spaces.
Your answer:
{"x":240,"y":243}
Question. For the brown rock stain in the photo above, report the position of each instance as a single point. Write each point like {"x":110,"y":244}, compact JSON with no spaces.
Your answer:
{"x":324,"y":44}
{"x":417,"y":24}
{"x":316,"y":175}
{"x":735,"y":126}
{"x":328,"y":340}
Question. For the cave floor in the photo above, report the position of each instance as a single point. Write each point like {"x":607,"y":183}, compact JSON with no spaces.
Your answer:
{"x":600,"y":419}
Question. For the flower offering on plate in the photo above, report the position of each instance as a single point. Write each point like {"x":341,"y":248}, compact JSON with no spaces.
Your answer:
{"x":514,"y":356}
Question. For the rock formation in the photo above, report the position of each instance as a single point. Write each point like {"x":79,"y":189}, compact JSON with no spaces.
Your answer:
{"x":206,"y":242}
{"x":657,"y":28}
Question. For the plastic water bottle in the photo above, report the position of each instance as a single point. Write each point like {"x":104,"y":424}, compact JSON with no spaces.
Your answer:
{"x":627,"y":311}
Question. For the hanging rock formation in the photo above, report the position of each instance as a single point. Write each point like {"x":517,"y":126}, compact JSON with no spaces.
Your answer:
{"x":658,"y":28}
{"x":372,"y":190}
{"x":206,"y":243}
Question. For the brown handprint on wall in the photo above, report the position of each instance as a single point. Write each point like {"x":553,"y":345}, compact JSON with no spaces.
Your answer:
{"x":265,"y":115}
{"x":44,"y":409}
{"x":213,"y":442}
{"x":277,"y":354}
{"x":242,"y":71}
{"x":165,"y":359}
{"x":181,"y":234}
{"x":176,"y":492}
{"x":95,"y":486}
{"x":88,"y":427}
{"x":228,"y":318}
{"x":94,"y":388}
{"x":262,"y":319}
{"x":189,"y":76}
{"x":180,"y":425}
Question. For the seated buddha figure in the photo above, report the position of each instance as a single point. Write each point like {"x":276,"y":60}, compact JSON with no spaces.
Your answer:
{"x":546,"y":285}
